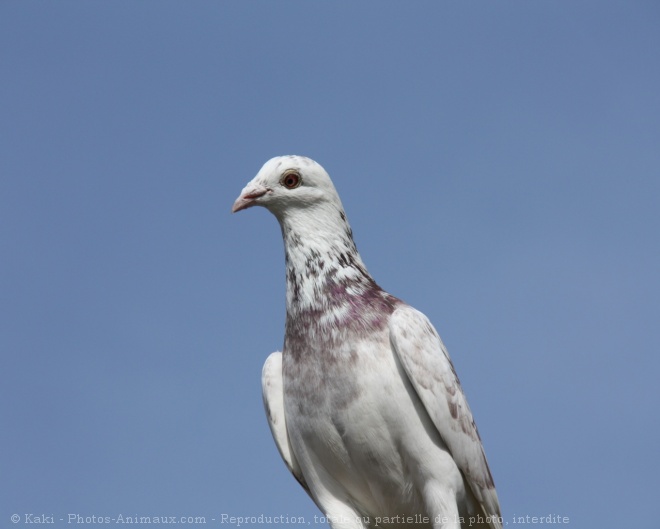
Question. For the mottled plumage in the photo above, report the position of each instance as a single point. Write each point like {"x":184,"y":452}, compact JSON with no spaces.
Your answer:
{"x":363,"y":402}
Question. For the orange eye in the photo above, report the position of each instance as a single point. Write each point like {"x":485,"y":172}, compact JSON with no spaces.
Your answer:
{"x":291,"y":180}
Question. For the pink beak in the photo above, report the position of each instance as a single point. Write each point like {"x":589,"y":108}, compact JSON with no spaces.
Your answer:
{"x":248,"y":197}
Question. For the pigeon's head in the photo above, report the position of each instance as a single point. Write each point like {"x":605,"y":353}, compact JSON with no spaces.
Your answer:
{"x":288,"y":184}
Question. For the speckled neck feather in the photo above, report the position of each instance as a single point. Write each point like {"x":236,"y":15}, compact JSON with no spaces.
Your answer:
{"x":328,"y":289}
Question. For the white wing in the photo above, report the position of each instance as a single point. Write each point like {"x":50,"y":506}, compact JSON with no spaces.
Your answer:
{"x":273,"y":393}
{"x":427,"y":364}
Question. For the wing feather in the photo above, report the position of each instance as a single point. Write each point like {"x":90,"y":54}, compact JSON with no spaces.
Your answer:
{"x":429,"y":368}
{"x":273,"y":394}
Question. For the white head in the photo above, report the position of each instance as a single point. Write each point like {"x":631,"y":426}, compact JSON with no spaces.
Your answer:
{"x":287,"y":184}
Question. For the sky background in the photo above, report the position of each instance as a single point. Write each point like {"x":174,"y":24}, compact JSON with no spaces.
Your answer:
{"x":500,"y":167}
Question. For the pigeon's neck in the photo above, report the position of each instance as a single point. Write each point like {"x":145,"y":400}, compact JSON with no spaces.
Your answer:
{"x":329,"y":293}
{"x":324,"y":270}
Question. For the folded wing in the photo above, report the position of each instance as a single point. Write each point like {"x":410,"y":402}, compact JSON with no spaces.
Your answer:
{"x":273,"y":394}
{"x":429,"y":368}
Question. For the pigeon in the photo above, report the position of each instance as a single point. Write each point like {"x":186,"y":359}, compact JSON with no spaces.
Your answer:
{"x":363,"y":402}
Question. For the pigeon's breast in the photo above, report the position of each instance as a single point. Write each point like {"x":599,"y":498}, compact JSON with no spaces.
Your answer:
{"x":335,"y":404}
{"x":326,"y":349}
{"x":325,"y":373}
{"x":349,"y":407}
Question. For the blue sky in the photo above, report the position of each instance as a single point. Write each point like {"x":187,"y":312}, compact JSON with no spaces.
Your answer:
{"x":499,"y":165}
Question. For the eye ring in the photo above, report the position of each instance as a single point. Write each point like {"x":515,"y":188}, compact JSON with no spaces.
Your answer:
{"x":291,"y":180}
